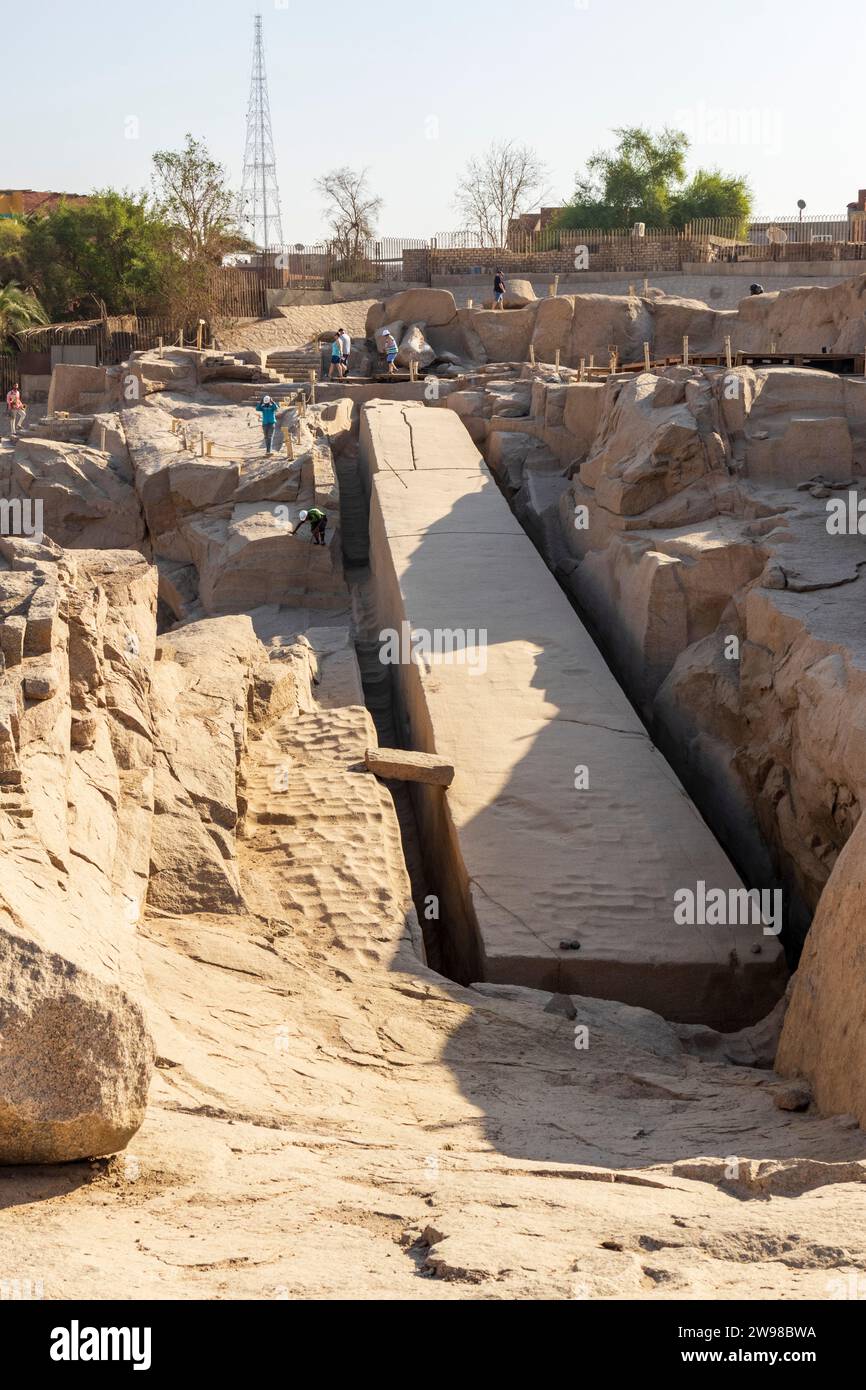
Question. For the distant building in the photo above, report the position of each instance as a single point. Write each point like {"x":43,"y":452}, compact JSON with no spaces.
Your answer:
{"x":19,"y":202}
{"x":530,"y":223}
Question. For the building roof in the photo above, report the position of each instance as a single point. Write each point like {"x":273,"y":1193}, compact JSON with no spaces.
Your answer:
{"x":18,"y":202}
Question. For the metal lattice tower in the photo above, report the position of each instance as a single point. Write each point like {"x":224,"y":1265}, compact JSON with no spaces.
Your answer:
{"x":259,"y":214}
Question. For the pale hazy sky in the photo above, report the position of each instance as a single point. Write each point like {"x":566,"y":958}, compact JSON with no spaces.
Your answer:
{"x":772,"y":89}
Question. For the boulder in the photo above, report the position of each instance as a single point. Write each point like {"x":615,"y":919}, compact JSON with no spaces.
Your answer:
{"x":824,"y":1035}
{"x":435,"y":308}
{"x":402,"y":765}
{"x":415,"y":348}
{"x":77,"y":1056}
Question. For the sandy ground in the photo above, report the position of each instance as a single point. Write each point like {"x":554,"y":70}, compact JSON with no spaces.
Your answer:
{"x":298,"y":326}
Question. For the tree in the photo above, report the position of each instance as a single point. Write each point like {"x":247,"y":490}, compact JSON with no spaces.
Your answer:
{"x":710,"y":193}
{"x":19,"y":309}
{"x":193,"y":199}
{"x":351,"y":210}
{"x":12,"y":232}
{"x":643,"y":180}
{"x":104,"y":255}
{"x":504,"y":182}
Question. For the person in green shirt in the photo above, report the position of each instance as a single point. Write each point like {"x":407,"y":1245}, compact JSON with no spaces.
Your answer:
{"x":318,"y":524}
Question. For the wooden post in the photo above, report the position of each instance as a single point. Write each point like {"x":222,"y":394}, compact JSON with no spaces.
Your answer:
{"x":591,"y":360}
{"x":470,"y":303}
{"x":208,"y":448}
{"x":554,"y":289}
{"x":180,"y":338}
{"x":102,"y":438}
{"x":290,"y":453}
{"x":199,"y":334}
{"x":728,"y":358}
{"x":532,"y":353}
{"x":685,"y":351}
{"x":556,"y":359}
{"x":646,"y":357}
{"x":201,"y":444}
{"x":159,"y":346}
{"x":613,"y":357}
{"x":645,"y":285}
{"x":580,"y":368}
{"x":312,"y":387}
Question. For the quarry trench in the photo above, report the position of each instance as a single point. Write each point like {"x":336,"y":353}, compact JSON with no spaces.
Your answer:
{"x":690,"y":980}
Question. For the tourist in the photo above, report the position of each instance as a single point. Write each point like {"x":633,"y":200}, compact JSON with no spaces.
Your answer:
{"x":499,"y":291}
{"x":346,"y":347}
{"x":756,"y":289}
{"x":318,"y":524}
{"x":15,"y":409}
{"x":336,"y":359}
{"x":268,"y":411}
{"x":390,"y":349}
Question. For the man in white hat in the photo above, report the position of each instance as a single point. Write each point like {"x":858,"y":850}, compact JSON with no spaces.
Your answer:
{"x":318,"y":524}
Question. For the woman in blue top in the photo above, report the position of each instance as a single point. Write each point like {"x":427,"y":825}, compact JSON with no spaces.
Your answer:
{"x":336,"y":359}
{"x":268,"y":411}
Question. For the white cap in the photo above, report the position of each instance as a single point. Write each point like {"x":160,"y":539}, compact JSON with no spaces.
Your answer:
{"x":266,"y":400}
{"x":302,"y":516}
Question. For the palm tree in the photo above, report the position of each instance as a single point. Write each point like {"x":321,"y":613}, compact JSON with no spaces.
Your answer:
{"x":19,"y":309}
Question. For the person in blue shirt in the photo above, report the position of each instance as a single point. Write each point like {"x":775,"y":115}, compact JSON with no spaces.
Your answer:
{"x":268,"y":411}
{"x":336,"y":360}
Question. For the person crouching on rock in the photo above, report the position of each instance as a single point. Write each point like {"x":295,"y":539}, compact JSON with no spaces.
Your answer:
{"x":268,"y":411}
{"x":318,"y":524}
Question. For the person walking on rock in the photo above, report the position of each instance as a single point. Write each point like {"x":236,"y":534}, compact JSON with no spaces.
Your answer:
{"x":499,"y":291}
{"x":345,"y":348}
{"x":336,"y":359}
{"x":268,"y":411}
{"x":15,"y":409}
{"x":390,"y":349}
{"x":318,"y":524}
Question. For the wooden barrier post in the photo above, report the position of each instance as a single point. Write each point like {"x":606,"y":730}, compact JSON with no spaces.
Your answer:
{"x":208,"y":448}
{"x":159,"y":346}
{"x":532,"y":354}
{"x":312,"y":386}
{"x":554,"y":288}
{"x":646,"y":285}
{"x":646,"y":357}
{"x":556,"y":359}
{"x":102,"y":438}
{"x":613,"y":358}
{"x":470,"y":303}
{"x":201,"y":444}
{"x":199,"y":335}
{"x":591,"y":360}
{"x":729,"y":362}
{"x":685,"y":352}
{"x":581,"y":368}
